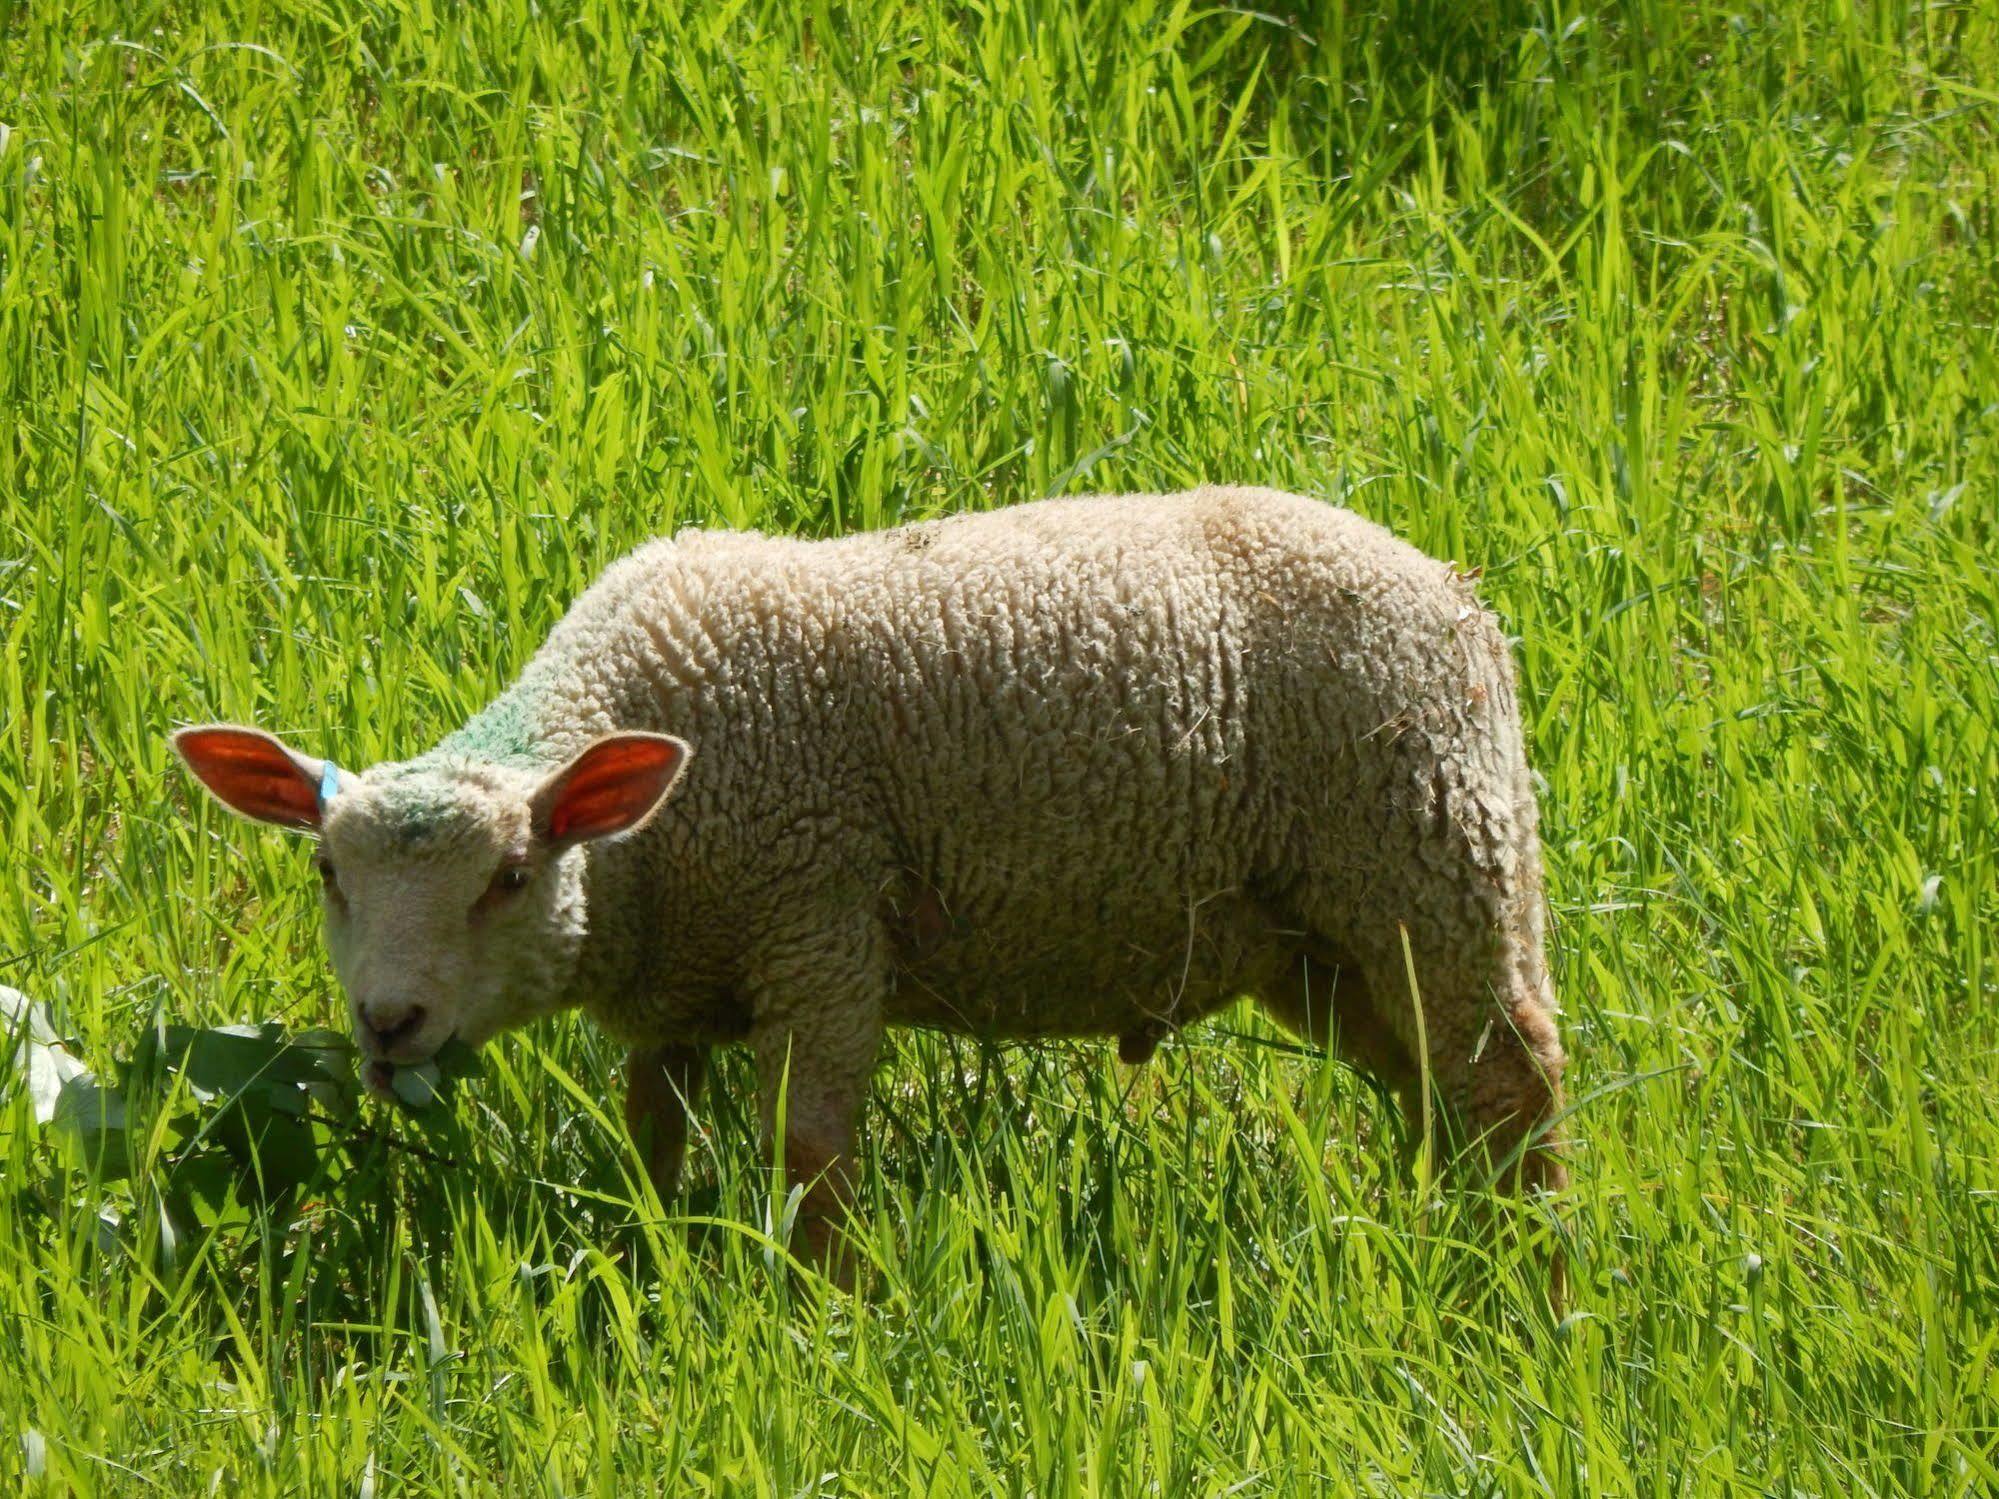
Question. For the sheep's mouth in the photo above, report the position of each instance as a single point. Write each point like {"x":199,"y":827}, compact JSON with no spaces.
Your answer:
{"x":378,"y":1074}
{"x":409,"y":1045}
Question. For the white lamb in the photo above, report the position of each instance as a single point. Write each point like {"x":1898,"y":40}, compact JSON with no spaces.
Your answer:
{"x":1081,"y":767}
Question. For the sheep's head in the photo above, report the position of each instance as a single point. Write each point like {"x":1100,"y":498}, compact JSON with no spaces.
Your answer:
{"x":453,"y":889}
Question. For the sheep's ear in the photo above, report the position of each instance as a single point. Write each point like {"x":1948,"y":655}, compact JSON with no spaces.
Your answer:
{"x":612,"y":787}
{"x":251,"y":772}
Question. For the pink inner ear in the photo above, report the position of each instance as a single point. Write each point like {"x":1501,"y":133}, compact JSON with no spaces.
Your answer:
{"x":253,"y":774}
{"x":612,"y":786}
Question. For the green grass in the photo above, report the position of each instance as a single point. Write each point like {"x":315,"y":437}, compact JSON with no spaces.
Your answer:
{"x":341,"y":344}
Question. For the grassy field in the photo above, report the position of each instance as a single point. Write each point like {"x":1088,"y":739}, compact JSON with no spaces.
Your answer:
{"x":342,"y":343}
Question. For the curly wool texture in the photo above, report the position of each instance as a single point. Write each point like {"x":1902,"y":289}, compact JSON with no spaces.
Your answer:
{"x":1084,"y":766}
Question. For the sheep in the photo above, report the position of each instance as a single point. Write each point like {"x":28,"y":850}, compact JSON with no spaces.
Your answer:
{"x":1080,"y":767}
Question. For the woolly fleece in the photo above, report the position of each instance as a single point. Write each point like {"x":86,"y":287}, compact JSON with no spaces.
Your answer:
{"x":1080,"y":767}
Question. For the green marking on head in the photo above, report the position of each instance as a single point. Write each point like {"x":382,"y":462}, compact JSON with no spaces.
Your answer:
{"x":504,"y":732}
{"x":418,"y":809}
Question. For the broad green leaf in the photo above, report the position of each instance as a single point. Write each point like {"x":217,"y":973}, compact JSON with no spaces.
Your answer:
{"x":459,"y":1062}
{"x":38,"y":1059}
{"x":92,"y":1119}
{"x":418,"y":1087}
{"x":276,"y":1149}
{"x":227,"y":1059}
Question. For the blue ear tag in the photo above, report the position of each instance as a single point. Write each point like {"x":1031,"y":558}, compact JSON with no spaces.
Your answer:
{"x":329,"y":782}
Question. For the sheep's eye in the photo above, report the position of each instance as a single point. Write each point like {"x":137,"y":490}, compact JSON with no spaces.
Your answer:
{"x":326,"y":874}
{"x":507,"y":883}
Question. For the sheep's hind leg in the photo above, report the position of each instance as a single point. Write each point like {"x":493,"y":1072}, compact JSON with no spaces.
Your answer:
{"x":1496,"y":1067}
{"x":1497,"y":1081}
{"x":1322,"y":996}
{"x":1505,"y":1083}
{"x":1495,"y":1060}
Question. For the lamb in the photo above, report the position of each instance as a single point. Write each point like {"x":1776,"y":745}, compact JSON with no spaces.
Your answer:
{"x":1080,"y":767}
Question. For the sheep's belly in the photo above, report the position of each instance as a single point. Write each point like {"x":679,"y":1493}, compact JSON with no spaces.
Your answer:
{"x":1042,"y":980}
{"x":1059,"y":1007}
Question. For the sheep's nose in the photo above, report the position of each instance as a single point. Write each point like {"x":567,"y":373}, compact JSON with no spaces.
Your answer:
{"x":392,"y":1024}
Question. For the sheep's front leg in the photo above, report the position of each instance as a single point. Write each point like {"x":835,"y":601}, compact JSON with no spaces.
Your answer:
{"x":816,"y":1035}
{"x":662,"y":1085}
